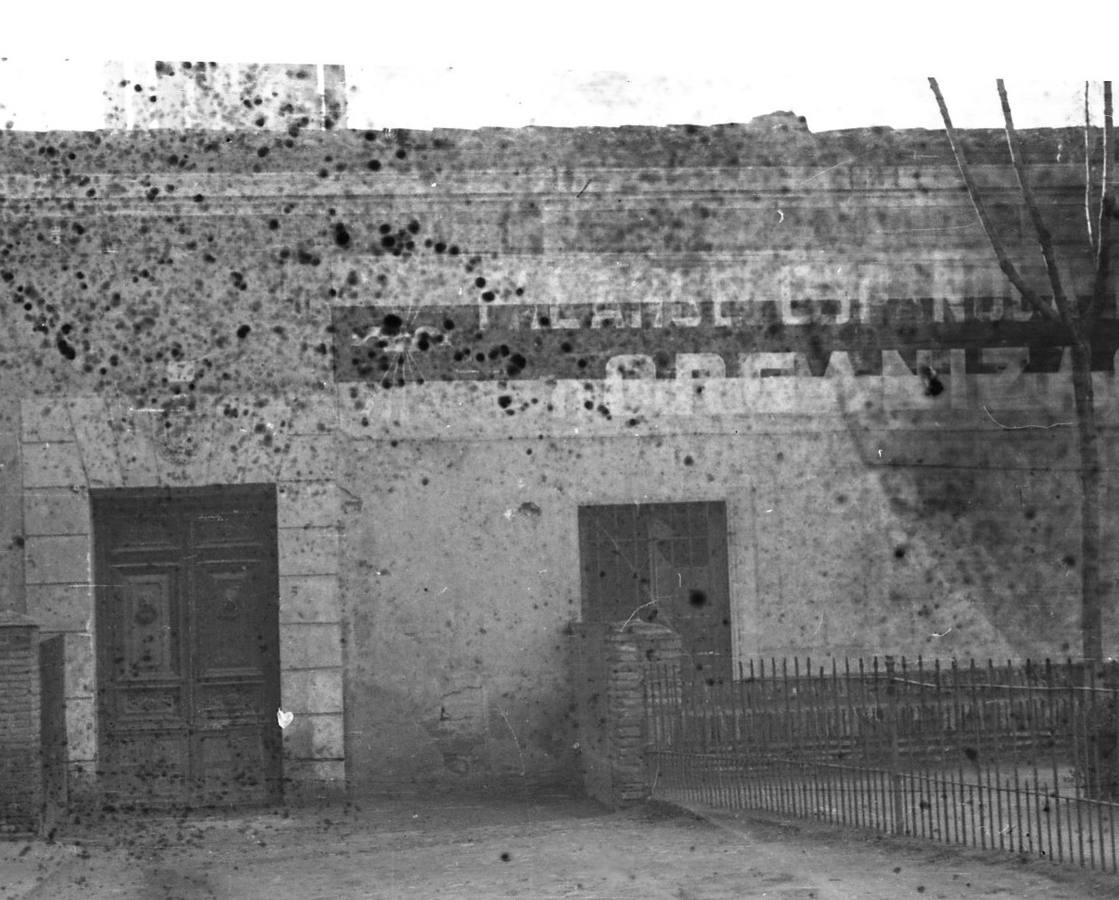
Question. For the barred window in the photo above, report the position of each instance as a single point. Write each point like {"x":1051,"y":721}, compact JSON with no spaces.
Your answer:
{"x":662,"y":562}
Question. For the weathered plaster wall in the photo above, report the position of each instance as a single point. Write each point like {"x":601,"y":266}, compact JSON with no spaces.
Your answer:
{"x":931,"y":532}
{"x":457,"y":600}
{"x":428,"y":540}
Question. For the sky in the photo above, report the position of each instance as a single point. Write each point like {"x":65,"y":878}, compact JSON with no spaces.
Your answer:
{"x":491,"y":62}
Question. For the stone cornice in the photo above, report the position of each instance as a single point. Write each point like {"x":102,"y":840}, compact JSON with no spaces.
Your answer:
{"x":175,"y":193}
{"x":758,"y":143}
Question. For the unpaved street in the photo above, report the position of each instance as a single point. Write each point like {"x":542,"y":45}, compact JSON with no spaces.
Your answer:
{"x":554,"y":848}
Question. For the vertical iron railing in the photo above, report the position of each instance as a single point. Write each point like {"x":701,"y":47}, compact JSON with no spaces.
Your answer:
{"x":1020,"y":757}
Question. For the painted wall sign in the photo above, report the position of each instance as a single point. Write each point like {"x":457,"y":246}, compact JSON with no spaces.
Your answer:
{"x":393,"y":344}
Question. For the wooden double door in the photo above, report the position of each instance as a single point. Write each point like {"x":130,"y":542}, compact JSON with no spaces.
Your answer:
{"x":187,"y":630}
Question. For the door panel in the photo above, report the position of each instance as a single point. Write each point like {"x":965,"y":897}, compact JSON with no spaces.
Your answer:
{"x":138,"y":527}
{"x":232,"y":763}
{"x":225,"y":529}
{"x":187,"y":629}
{"x":149,"y":633}
{"x":149,"y":767}
{"x":230,"y":633}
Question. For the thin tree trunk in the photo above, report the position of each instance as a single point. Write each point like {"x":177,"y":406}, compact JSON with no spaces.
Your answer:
{"x":1028,"y":294}
{"x":1078,"y":317}
{"x":1107,"y":208}
{"x":1091,"y":625}
{"x":1088,"y":171}
{"x":1044,"y":238}
{"x":1091,"y":477}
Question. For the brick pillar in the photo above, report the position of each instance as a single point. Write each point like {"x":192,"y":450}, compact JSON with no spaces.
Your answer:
{"x":20,"y":768}
{"x":610,"y":698}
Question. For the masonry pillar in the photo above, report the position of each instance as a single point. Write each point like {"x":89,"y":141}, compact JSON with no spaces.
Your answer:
{"x":20,"y":767}
{"x":610,"y":698}
{"x":12,"y":596}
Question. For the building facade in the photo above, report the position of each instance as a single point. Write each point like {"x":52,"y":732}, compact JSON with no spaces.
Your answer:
{"x":356,"y":425}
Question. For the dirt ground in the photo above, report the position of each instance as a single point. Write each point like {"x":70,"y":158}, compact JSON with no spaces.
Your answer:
{"x":549,"y":847}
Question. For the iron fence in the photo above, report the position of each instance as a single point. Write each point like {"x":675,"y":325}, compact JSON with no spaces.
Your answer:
{"x":1014,"y":757}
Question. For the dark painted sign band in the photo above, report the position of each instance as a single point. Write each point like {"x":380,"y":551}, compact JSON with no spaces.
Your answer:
{"x":388,"y":344}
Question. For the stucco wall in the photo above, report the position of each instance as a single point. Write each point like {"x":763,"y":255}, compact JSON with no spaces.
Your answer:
{"x":428,"y":532}
{"x":936,"y":532}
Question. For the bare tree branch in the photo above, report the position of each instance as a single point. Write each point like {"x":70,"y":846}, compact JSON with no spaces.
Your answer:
{"x":1008,"y":268}
{"x":1044,"y":238}
{"x":1088,"y":170}
{"x":1077,"y":319}
{"x":1107,"y":206}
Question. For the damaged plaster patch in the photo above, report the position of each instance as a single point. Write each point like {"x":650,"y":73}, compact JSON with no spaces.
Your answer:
{"x":528,"y":509}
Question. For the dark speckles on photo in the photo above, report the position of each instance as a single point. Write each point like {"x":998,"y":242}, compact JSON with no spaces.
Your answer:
{"x":382,"y":505}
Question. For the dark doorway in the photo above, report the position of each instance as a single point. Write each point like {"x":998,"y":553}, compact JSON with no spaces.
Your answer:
{"x":662,"y":562}
{"x":187,"y":633}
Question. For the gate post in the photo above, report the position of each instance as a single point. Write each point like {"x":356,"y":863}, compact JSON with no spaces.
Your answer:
{"x":53,"y":745}
{"x":895,"y":761}
{"x":610,"y":700}
{"x":20,"y":768}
